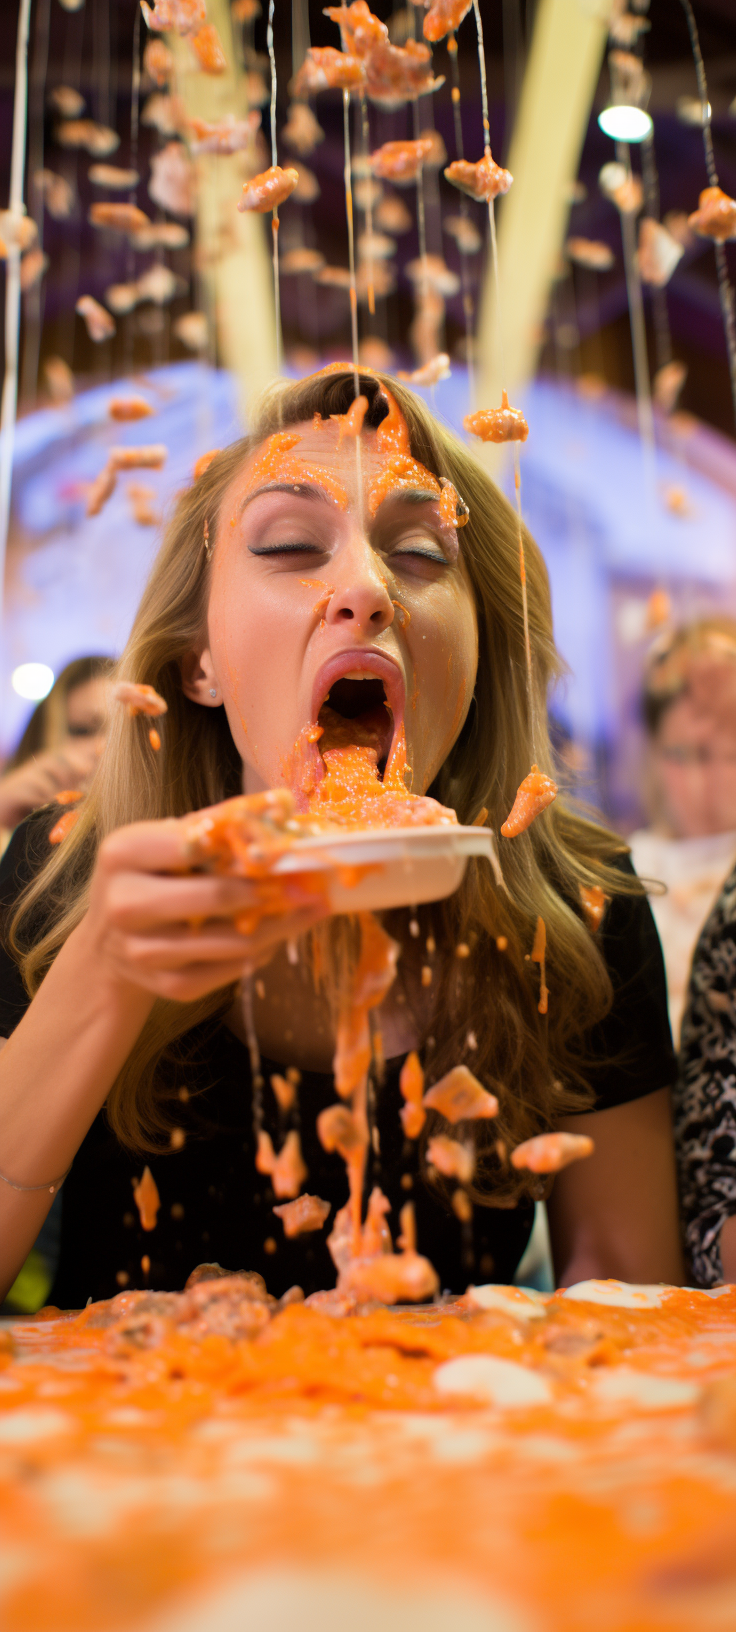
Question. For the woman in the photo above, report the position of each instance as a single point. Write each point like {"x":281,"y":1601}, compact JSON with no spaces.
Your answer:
{"x":691,"y":843}
{"x":293,"y":570}
{"x":61,"y":743}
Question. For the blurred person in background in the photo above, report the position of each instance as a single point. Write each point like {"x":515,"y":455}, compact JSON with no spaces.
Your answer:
{"x":690,"y":787}
{"x":59,"y":749}
{"x":61,"y":743}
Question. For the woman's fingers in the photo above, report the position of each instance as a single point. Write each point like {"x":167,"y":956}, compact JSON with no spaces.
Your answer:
{"x":183,"y":965}
{"x":140,"y":901}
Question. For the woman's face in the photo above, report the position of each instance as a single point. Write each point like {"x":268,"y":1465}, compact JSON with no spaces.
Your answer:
{"x":313,"y":598}
{"x":694,"y":761}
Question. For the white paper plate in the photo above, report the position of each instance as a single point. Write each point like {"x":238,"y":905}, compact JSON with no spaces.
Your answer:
{"x":407,"y":864}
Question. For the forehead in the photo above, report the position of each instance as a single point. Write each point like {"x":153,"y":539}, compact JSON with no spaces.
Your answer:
{"x":321,"y":443}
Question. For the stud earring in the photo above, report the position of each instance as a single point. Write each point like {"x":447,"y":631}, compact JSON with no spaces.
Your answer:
{"x":213,"y":691}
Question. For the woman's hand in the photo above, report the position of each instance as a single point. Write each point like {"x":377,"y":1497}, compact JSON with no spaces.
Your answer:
{"x":173,"y":934}
{"x":37,"y":781}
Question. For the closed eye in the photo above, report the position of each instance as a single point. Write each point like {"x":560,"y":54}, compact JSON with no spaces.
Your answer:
{"x":286,"y":549}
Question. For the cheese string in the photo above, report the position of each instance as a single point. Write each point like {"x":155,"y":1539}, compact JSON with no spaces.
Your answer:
{"x":531,"y":708}
{"x":274,"y":161}
{"x":353,"y":287}
{"x":465,"y":213}
{"x":366,"y":147}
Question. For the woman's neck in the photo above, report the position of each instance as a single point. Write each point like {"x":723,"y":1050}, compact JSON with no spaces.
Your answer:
{"x":293,"y":1022}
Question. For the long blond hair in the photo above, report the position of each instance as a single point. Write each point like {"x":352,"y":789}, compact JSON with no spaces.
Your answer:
{"x":486,"y":1008}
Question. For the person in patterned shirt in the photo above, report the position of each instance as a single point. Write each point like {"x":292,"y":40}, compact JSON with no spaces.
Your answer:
{"x":705,"y":1103}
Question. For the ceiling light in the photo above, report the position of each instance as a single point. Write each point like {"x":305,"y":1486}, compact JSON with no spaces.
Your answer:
{"x":625,"y":124}
{"x":32,"y":681}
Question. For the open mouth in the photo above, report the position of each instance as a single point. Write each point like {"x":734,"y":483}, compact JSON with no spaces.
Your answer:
{"x":360,"y":704}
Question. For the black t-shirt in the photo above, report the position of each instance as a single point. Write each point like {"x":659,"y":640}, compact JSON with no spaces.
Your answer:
{"x":216,"y":1207}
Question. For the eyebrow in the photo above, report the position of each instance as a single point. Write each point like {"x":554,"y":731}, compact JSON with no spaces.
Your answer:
{"x":410,"y":495}
{"x":304,"y":489}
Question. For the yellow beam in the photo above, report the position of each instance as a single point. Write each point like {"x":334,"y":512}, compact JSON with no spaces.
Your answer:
{"x":232,"y":252}
{"x":564,"y":63}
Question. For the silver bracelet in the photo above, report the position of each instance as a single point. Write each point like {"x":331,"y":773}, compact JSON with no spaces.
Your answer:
{"x":56,"y":1184}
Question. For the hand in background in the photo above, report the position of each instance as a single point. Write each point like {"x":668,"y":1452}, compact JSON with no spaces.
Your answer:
{"x":38,"y":780}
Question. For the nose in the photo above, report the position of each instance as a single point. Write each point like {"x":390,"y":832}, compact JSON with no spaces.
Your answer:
{"x":361,"y":594}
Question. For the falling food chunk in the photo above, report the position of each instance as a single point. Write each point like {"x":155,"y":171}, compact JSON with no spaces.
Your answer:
{"x":302,"y":130}
{"x":100,"y":490}
{"x":226,"y":135}
{"x":265,"y":1153}
{"x":360,"y":30}
{"x":392,"y":215}
{"x":444,"y":17}
{"x":502,"y":424}
{"x":302,"y":260}
{"x":16,"y":230}
{"x":66,"y":101}
{"x":460,"y":1097}
{"x":411,"y":1083}
{"x":152,"y":457}
{"x":438,"y":368}
{"x":154,"y":739}
{"x":285,"y":1089}
{"x":137,"y":698}
{"x":534,"y":794}
{"x":122,"y":297}
{"x":289,"y":1173}
{"x":118,"y":217}
{"x":113,"y":176}
{"x":401,"y":162}
{"x":396,"y":74}
{"x":715,"y":216}
{"x":667,"y":385}
{"x":658,"y":253}
{"x":141,"y":500}
{"x":161,"y":112}
{"x":593,"y":901}
{"x":307,"y":188}
{"x":462,"y":1206}
{"x":99,"y":140}
{"x":391,"y":1278}
{"x":334,"y":277}
{"x":160,"y":284}
{"x":56,"y":192}
{"x":338,"y":1130}
{"x":626,"y":27}
{"x":268,"y":190}
{"x":305,"y":1214}
{"x":158,"y":62}
{"x":32,"y":268}
{"x":538,"y":955}
{"x":203,"y":462}
{"x":432,"y":276}
{"x":64,"y":826}
{"x":59,"y":379}
{"x":624,"y":189}
{"x":454,"y":1160}
{"x":129,"y":408}
{"x":324,"y":68}
{"x":484,"y":180}
{"x":464,"y":232}
{"x":147,"y":1199}
{"x":549,"y":1152}
{"x":590,"y":252}
{"x":177,"y":16}
{"x":208,"y":50}
{"x":172,"y":179}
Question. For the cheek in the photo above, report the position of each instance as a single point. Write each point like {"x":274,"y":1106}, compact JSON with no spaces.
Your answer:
{"x":254,"y":641}
{"x":444,"y":651}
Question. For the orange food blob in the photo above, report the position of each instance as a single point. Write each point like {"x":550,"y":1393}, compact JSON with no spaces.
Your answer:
{"x":534,"y":794}
{"x":502,"y":424}
{"x":460,"y":1097}
{"x":147,"y":1199}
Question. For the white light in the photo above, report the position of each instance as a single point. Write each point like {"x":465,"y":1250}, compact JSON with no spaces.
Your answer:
{"x":32,"y":680}
{"x":624,"y":123}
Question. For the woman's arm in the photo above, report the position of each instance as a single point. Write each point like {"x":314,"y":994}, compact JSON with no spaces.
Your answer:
{"x":614,"y":1215}
{"x":135,"y":943}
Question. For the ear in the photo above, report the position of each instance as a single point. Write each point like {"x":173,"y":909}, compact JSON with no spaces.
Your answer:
{"x":198,"y":679}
